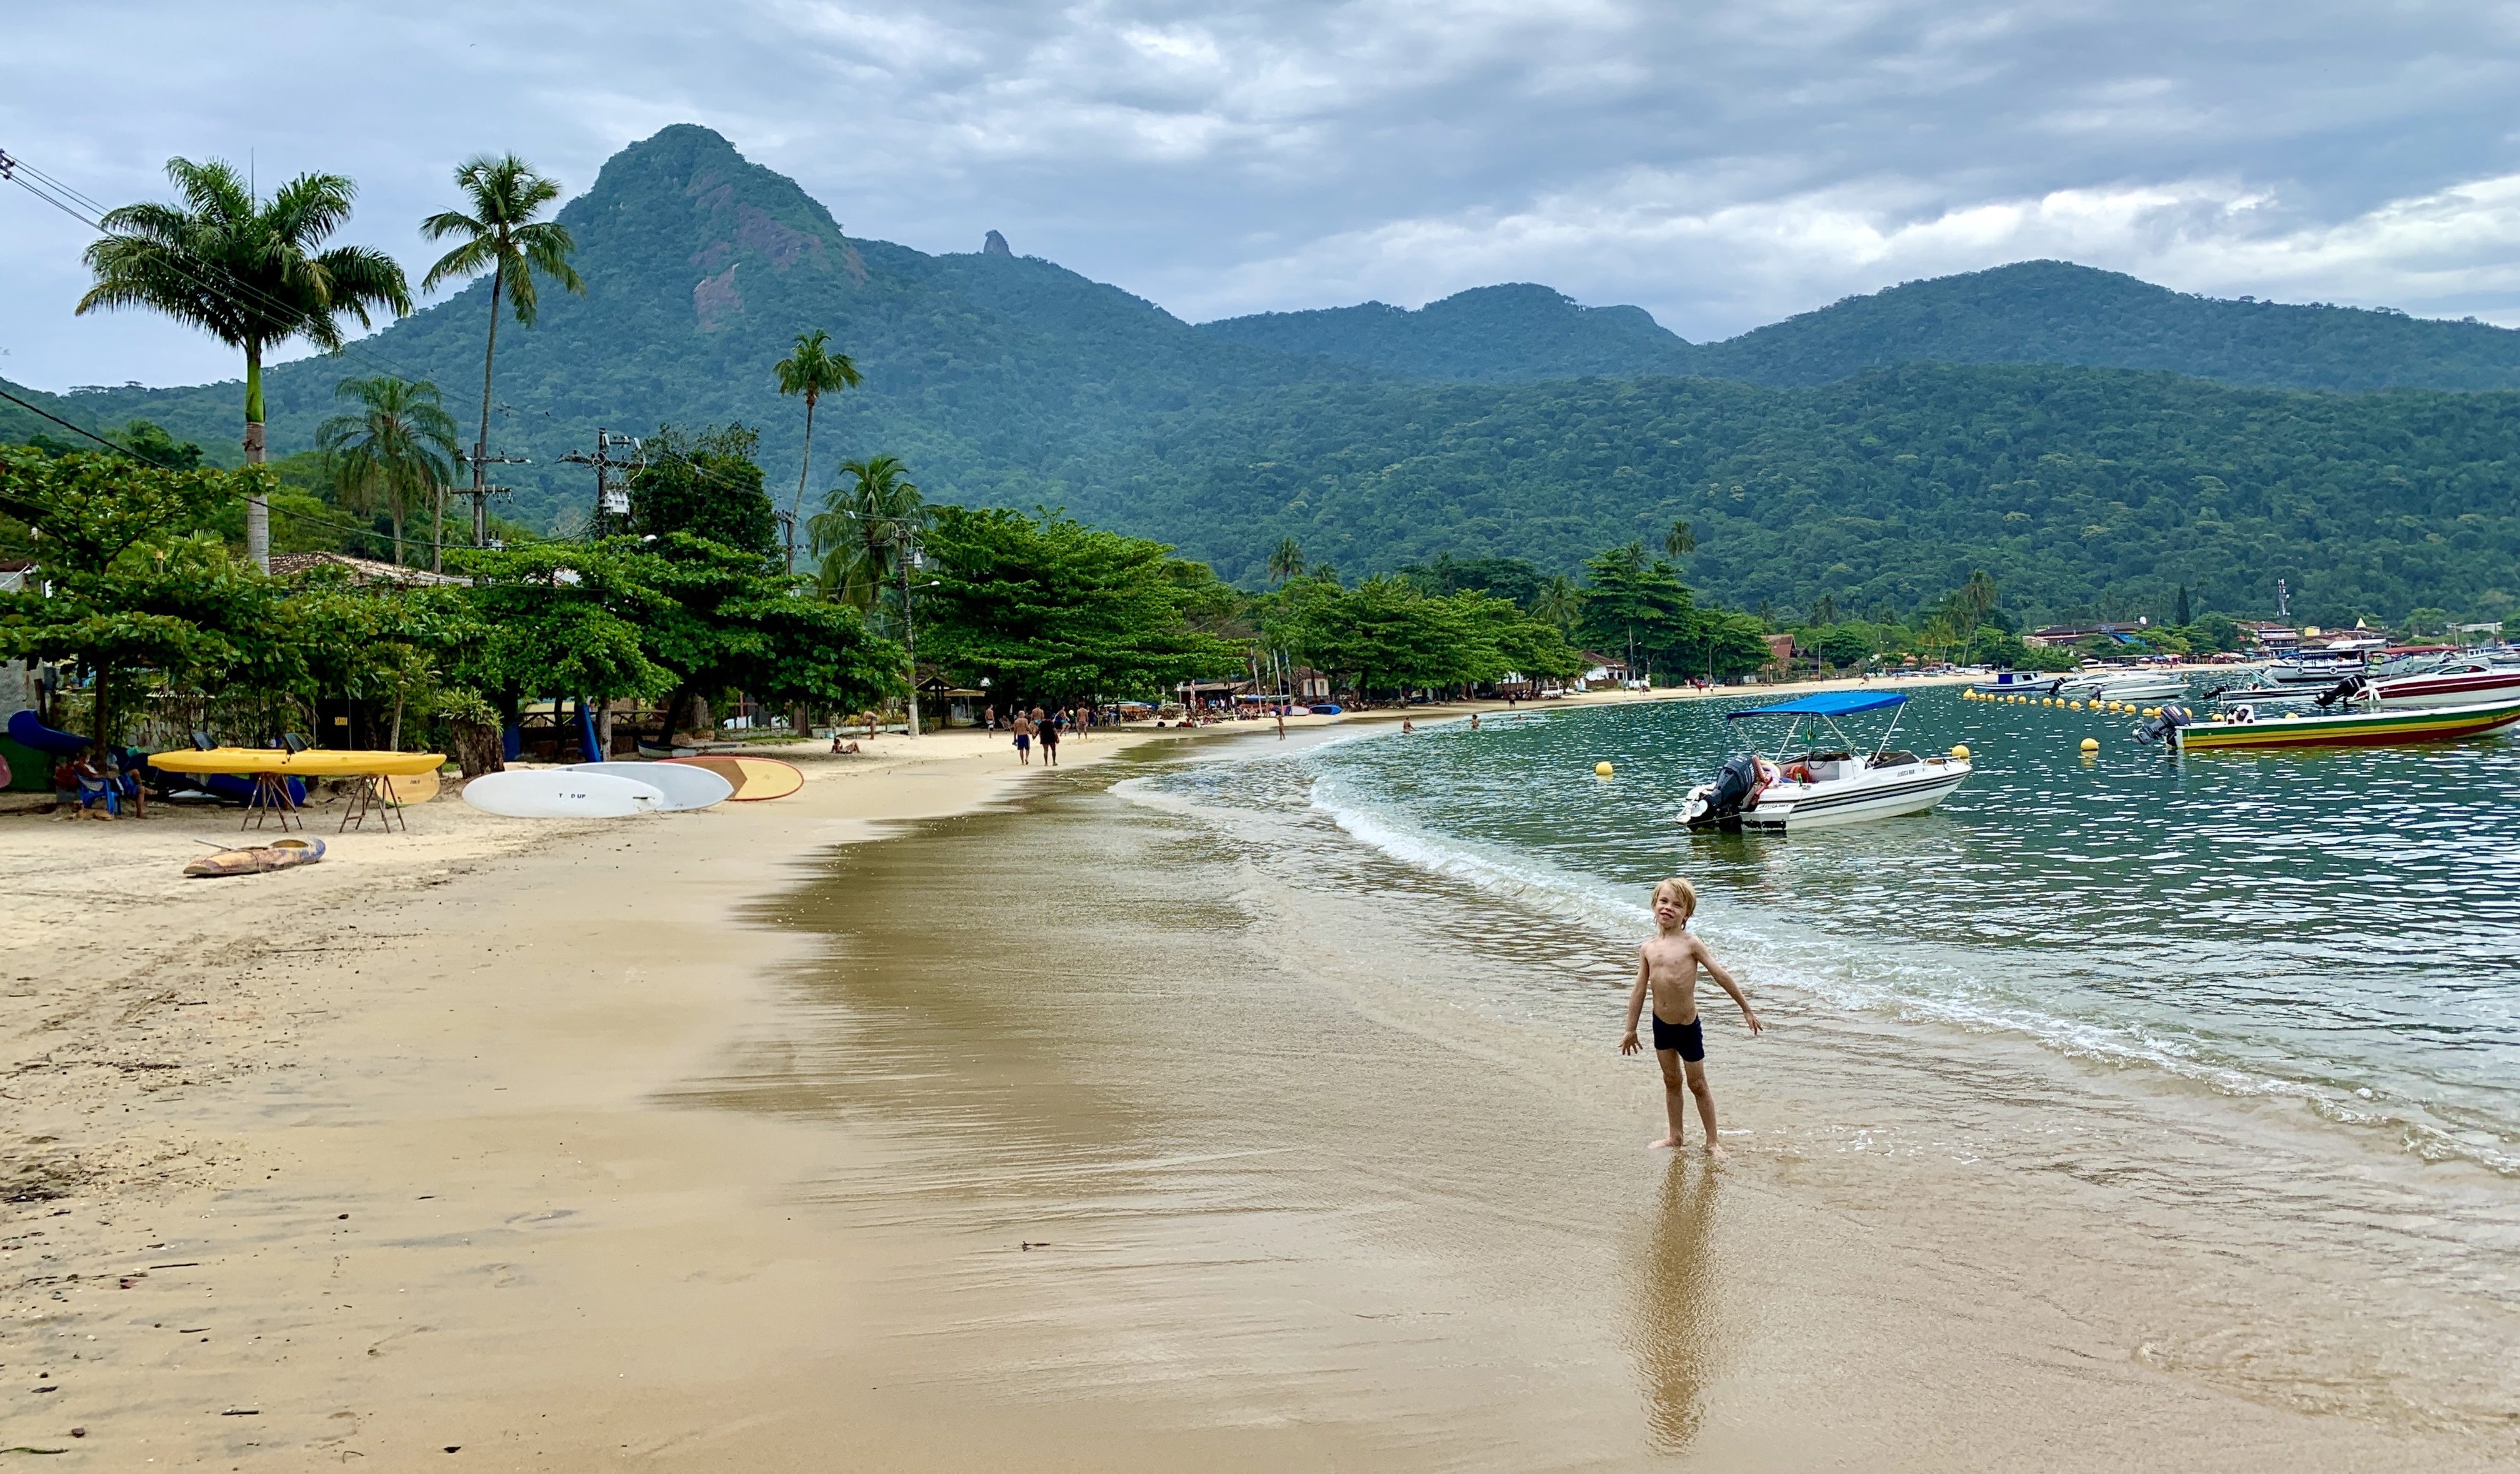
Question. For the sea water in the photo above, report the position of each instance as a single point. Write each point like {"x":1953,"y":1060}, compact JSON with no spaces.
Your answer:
{"x":2339,"y":927}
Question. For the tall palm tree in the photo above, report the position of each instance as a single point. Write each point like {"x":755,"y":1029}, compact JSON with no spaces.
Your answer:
{"x":397,"y":447}
{"x":1286,"y":560}
{"x":865,"y":527}
{"x":811,"y":370}
{"x":1558,"y":602}
{"x":502,"y":236}
{"x":1679,"y":542}
{"x":250,"y":273}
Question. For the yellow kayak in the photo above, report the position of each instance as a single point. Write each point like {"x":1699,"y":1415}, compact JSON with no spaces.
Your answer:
{"x":314,"y":762}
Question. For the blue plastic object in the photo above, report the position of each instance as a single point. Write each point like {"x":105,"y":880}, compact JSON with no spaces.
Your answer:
{"x":586,"y":739}
{"x":26,"y":731}
{"x":229,"y":786}
{"x":1825,"y":703}
{"x":512,"y":744}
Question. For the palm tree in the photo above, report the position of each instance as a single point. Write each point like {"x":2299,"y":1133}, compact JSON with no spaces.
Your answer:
{"x":249,"y":273}
{"x":813,"y":371}
{"x":865,"y":528}
{"x":1286,"y":560}
{"x":501,"y":237}
{"x":1679,"y":542}
{"x":1558,"y":602}
{"x":392,"y":451}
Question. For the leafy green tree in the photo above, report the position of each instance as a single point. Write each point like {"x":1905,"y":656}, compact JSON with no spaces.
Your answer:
{"x":1558,"y":602}
{"x":502,"y":236}
{"x":730,"y":622}
{"x":812,"y":370}
{"x":393,"y":452}
{"x":1510,"y":579}
{"x":378,"y":642}
{"x":1048,"y":609}
{"x":865,"y":529}
{"x":1841,"y":645}
{"x":250,"y":273}
{"x":1679,"y":542}
{"x":1634,"y":604}
{"x":562,"y":620}
{"x":707,"y":485}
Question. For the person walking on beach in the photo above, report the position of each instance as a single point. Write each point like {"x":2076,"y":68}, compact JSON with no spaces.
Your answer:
{"x":1668,"y":966}
{"x":1049,"y":734}
{"x":1024,"y":738}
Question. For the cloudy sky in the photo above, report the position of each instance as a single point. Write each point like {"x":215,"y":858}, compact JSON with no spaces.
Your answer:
{"x":1720,"y":165}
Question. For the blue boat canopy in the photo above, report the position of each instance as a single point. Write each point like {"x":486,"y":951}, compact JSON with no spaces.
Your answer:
{"x":1825,"y":703}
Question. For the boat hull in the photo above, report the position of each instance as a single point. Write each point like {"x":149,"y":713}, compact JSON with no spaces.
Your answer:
{"x":1792,"y":806}
{"x":2367,"y":728}
{"x":2415,"y":692}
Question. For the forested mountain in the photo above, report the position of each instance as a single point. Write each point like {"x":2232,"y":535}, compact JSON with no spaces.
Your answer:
{"x":999,"y":379}
{"x":2084,"y":491}
{"x":1377,"y":437}
{"x":2028,"y":312}
{"x":1514,"y":334}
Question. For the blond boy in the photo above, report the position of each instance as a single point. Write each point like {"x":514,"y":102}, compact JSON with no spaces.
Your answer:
{"x":1669,"y":964}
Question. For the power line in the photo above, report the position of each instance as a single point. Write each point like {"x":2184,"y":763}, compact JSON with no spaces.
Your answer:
{"x":83,"y":429}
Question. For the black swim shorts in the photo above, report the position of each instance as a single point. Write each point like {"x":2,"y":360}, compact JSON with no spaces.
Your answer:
{"x":1688,"y":1038}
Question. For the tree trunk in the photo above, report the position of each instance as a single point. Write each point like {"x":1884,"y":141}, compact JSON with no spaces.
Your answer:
{"x":477,"y":748}
{"x":481,"y":446}
{"x":703,"y":724}
{"x":102,"y":714}
{"x":604,"y":731}
{"x":394,"y":734}
{"x":257,"y":509}
{"x":798,"y":509}
{"x":397,"y":533}
{"x":437,"y":531}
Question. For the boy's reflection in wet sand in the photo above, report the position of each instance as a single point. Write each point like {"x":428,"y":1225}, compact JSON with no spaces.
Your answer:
{"x":1674,"y":1328}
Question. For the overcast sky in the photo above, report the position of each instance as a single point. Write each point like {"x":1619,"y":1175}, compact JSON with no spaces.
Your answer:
{"x":1720,"y":165}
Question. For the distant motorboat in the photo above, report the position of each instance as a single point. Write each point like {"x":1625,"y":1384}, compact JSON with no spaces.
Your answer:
{"x":2123,"y":686}
{"x":2247,"y":726}
{"x":2019,"y":684}
{"x":2452,"y":681}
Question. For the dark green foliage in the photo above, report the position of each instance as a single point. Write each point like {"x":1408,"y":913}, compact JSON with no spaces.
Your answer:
{"x":562,"y":620}
{"x":704,"y":486}
{"x":2079,"y":490}
{"x":1390,"y":635}
{"x":1050,"y":610}
{"x":1516,"y":580}
{"x":730,"y":622}
{"x":1518,"y":333}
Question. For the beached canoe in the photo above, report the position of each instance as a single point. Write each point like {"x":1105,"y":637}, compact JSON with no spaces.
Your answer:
{"x":281,"y":855}
{"x":685,"y":785}
{"x":314,"y":762}
{"x":2380,"y":728}
{"x":752,"y":778}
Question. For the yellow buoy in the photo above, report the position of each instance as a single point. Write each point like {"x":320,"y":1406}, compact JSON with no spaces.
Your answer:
{"x":2090,"y":744}
{"x":1959,"y":750}
{"x":2074,"y":706}
{"x":1600,"y":769}
{"x":2151,"y":712}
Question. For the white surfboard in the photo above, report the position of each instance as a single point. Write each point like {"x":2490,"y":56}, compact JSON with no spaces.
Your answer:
{"x":561,"y":794}
{"x":684,"y":787}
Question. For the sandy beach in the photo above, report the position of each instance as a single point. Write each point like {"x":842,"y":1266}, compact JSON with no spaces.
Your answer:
{"x":960,"y":1115}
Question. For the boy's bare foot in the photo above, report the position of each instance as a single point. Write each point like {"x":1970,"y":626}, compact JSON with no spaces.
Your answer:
{"x":1714,"y":1153}
{"x":1670,"y":1143}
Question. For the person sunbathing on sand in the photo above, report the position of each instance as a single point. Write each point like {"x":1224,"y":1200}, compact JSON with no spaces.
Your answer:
{"x":1669,"y":964}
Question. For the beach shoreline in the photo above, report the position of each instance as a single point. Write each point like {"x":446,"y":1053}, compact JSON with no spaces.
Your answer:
{"x":513,"y":1138}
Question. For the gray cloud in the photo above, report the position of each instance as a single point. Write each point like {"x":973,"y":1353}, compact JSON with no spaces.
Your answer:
{"x":1721,"y":165}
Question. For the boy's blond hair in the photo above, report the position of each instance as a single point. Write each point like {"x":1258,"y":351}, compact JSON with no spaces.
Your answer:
{"x":1687,"y":894}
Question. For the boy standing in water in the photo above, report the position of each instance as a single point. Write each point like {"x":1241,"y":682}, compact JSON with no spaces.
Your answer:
{"x":1669,"y":965}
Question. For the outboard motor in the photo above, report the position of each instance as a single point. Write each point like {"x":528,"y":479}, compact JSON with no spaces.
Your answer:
{"x":2343,"y":691}
{"x":1718,"y":804}
{"x":2159,"y":728}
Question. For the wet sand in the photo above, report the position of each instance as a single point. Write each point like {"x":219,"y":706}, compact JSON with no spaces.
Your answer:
{"x":719,"y":1141}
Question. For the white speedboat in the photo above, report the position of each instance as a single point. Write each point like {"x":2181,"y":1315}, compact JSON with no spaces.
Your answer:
{"x":2444,"y":681}
{"x":1818,"y":781}
{"x":2019,"y":684}
{"x":2123,"y":684}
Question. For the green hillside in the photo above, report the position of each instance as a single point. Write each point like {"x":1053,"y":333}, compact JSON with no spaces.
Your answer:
{"x":999,"y":379}
{"x":1011,"y":381}
{"x":2082,"y":490}
{"x":1514,"y":334}
{"x":2058,"y":313}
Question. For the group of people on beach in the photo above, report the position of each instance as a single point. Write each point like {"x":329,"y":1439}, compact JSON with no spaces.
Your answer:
{"x":85,"y":786}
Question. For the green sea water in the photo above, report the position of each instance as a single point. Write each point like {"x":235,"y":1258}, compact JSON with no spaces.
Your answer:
{"x":2340,"y":927}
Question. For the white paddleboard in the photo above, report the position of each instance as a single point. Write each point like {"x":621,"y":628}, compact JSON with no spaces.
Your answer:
{"x":561,"y":794}
{"x":684,"y":787}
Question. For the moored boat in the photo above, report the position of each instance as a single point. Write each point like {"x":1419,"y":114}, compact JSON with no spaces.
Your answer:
{"x":2123,"y":686}
{"x":1818,"y":782}
{"x":2246,"y":726}
{"x":2458,"y":681}
{"x":2019,"y":684}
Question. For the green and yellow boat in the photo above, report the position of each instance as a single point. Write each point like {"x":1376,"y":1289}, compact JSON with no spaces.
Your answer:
{"x":2243,"y":727}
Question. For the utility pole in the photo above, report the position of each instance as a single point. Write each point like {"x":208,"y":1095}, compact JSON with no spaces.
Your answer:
{"x":482,"y":490}
{"x":2283,"y":600}
{"x":609,"y":501}
{"x":909,"y":546}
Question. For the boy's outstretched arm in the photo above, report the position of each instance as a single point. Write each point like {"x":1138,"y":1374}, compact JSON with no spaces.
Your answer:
{"x":1635,"y":1009}
{"x":1748,"y":1015}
